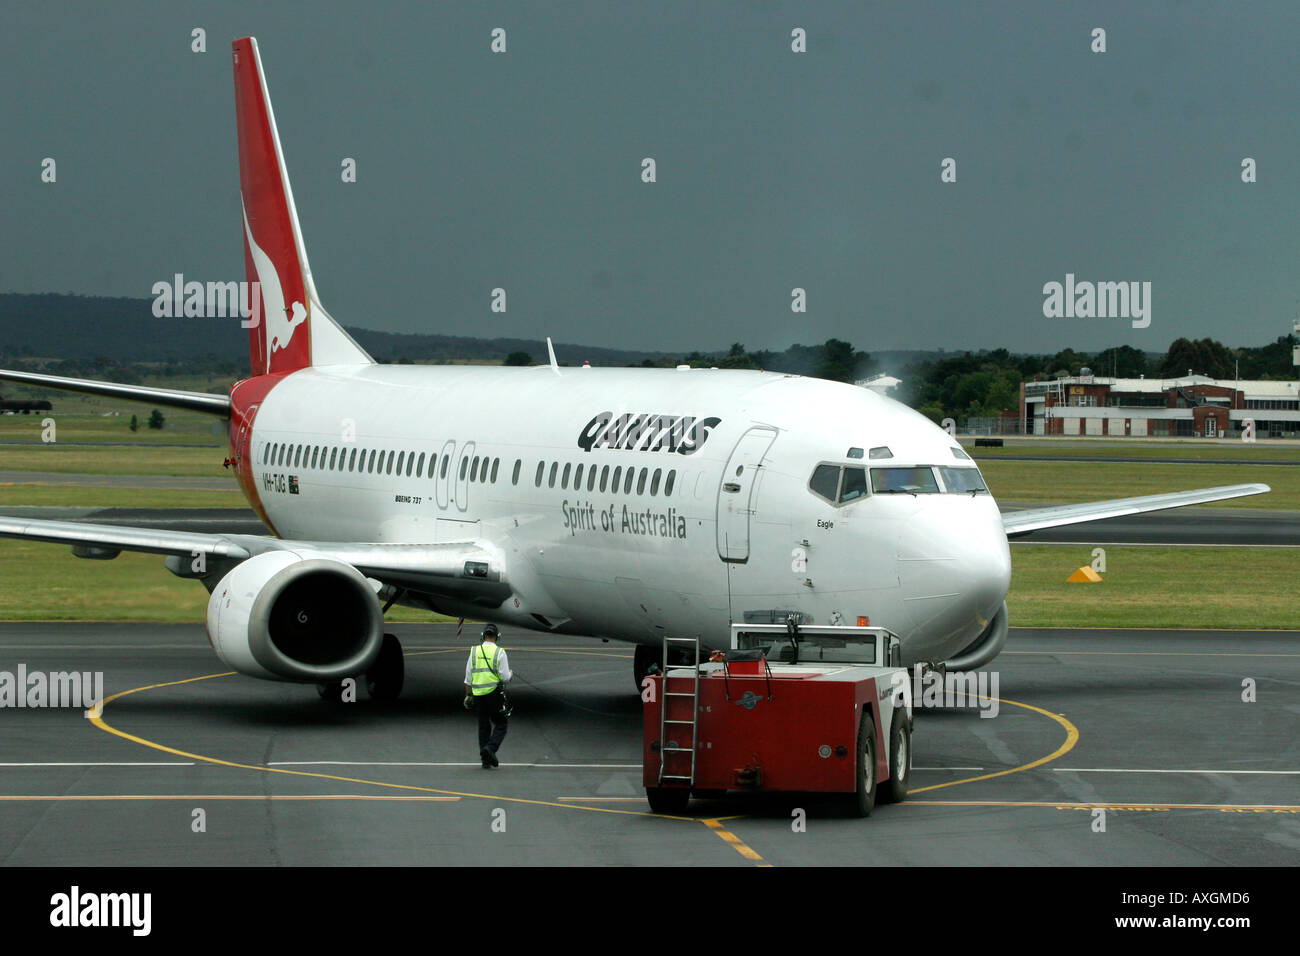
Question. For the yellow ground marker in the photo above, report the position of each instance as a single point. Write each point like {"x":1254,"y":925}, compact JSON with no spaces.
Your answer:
{"x":1085,"y":575}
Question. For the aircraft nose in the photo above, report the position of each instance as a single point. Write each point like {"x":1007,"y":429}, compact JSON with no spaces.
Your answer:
{"x":954,"y":567}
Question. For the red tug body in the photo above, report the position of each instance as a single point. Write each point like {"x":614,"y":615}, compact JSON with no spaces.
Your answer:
{"x":830,"y":716}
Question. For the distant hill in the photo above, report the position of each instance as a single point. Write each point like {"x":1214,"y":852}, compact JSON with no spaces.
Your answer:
{"x":74,"y":327}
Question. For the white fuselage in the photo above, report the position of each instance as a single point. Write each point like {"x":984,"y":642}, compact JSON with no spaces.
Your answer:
{"x":740,"y":532}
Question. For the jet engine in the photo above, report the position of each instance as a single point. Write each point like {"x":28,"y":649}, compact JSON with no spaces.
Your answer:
{"x":295,"y":616}
{"x":985,"y":647}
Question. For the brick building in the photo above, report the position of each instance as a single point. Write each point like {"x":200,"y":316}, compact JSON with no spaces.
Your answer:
{"x":1193,"y":406}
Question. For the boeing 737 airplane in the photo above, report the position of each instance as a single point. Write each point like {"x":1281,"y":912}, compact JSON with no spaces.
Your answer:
{"x":619,"y":503}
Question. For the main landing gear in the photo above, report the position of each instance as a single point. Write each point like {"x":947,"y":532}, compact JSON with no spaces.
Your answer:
{"x":384,"y":680}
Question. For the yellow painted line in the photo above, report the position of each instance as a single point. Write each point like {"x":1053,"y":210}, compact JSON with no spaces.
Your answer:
{"x":737,"y":844}
{"x":1066,"y":805}
{"x":603,"y":799}
{"x":224,"y":796}
{"x":1071,"y":738}
{"x":98,"y":721}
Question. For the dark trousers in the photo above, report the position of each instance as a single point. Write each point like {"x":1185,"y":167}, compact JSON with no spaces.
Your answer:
{"x":491,"y":724}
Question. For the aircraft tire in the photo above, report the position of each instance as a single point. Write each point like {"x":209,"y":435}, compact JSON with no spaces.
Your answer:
{"x":387,"y":675}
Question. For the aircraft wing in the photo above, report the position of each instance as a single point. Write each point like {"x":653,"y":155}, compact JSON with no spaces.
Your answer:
{"x":1036,"y":519}
{"x":166,"y":397}
{"x":448,"y":568}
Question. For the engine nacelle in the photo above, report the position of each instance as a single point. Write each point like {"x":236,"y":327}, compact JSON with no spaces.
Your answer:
{"x":295,"y":616}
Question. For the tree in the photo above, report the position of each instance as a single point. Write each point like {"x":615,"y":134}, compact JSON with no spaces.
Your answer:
{"x":519,"y":359}
{"x":1202,"y":357}
{"x":135,"y":424}
{"x":156,"y":419}
{"x":1124,"y":362}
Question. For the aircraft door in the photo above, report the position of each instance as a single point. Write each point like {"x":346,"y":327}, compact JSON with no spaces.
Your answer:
{"x":736,"y":492}
{"x":446,"y":475}
{"x":460,"y":487}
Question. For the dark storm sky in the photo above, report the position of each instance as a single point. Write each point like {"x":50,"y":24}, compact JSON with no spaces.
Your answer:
{"x":775,"y":170}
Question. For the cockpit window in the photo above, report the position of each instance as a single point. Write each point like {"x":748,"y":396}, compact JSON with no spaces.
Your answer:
{"x":963,"y":480}
{"x":855,"y":484}
{"x":916,"y":481}
{"x":881,"y":451}
{"x":958,"y":453}
{"x":825,"y":481}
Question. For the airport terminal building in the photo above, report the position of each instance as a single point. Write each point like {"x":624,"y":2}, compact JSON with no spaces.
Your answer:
{"x":1193,"y":406}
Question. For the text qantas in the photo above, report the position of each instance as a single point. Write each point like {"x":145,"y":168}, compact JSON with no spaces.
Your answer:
{"x":683,"y":434}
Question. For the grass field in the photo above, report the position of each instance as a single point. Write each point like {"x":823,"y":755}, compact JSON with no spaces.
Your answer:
{"x":1238,"y":588}
{"x":44,"y":582}
{"x":1065,"y":482}
{"x":1137,"y":448}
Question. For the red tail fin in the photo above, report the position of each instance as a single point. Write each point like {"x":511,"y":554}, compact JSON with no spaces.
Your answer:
{"x":290,"y":328}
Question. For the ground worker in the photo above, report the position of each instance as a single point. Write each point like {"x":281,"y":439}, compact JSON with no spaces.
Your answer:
{"x":486,"y":673}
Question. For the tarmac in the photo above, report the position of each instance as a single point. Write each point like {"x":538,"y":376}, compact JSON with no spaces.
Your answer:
{"x":1108,"y":748}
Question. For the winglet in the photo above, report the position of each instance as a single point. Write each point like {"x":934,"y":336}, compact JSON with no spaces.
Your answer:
{"x":550,"y":350}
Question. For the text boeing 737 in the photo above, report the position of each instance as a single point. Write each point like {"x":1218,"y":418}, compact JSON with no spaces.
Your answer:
{"x":620,"y":503}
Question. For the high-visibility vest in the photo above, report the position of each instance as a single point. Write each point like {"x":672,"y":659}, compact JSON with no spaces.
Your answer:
{"x":484,"y":677}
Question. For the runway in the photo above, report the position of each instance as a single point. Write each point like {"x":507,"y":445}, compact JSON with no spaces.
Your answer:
{"x":1149,"y":726}
{"x":1190,"y":526}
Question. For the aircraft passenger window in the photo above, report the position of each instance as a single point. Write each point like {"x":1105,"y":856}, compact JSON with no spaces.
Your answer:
{"x":401,"y":460}
{"x":880,"y":451}
{"x":297,"y":456}
{"x":370,"y":462}
{"x":446,"y":462}
{"x":390,"y":461}
{"x":894,"y":481}
{"x":496,"y":463}
{"x":352,"y":460}
{"x":627,"y":481}
{"x":668,"y":485}
{"x":541,"y":469}
{"x":640,"y":484}
{"x":514,"y":477}
{"x":855,"y":484}
{"x":604,"y":475}
{"x":464,"y":467}
{"x":613,"y":485}
{"x":473,"y":469}
{"x":410,"y":463}
{"x":334,"y":457}
{"x":433,"y":465}
{"x":564,"y":476}
{"x":591,"y":478}
{"x":654,"y":481}
{"x":825,"y":481}
{"x":419,"y":464}
{"x":550,"y":482}
{"x":962,"y":481}
{"x":577,"y":477}
{"x":315,"y":453}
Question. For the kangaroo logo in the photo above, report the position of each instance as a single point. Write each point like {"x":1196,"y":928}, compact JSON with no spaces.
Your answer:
{"x":281,"y":321}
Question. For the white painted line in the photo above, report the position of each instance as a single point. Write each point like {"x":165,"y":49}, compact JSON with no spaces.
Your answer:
{"x":189,"y":763}
{"x":1128,"y":770}
{"x":425,"y":763}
